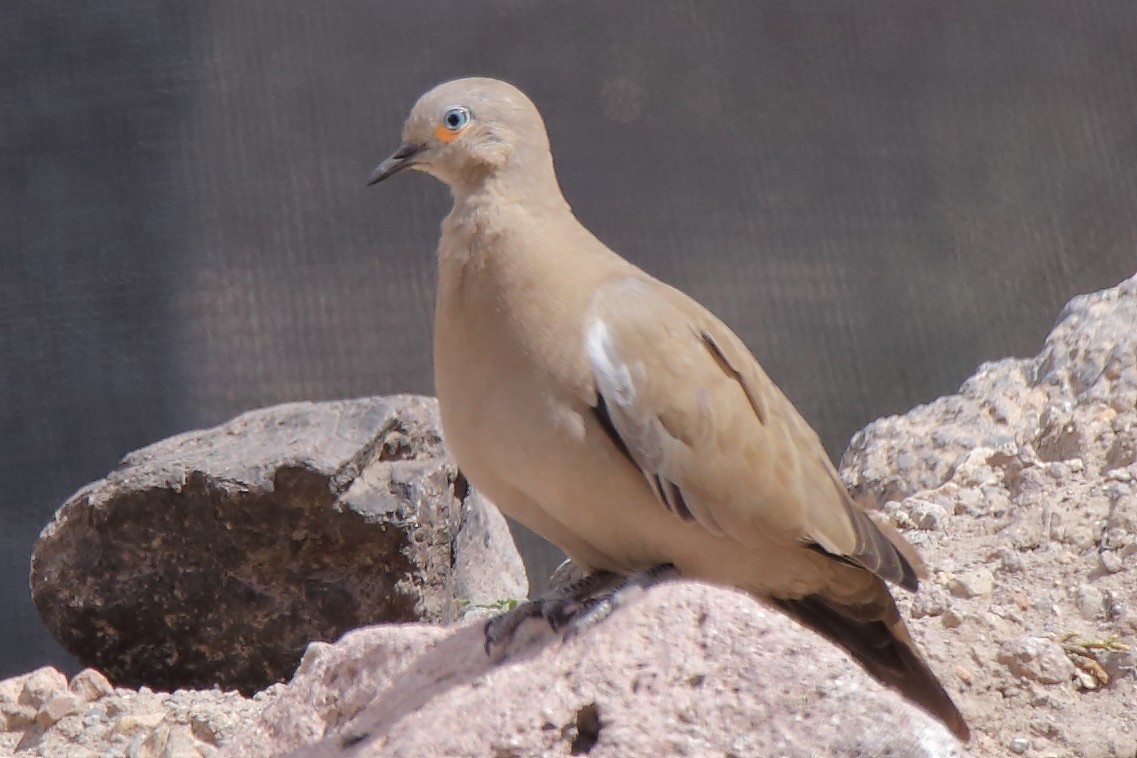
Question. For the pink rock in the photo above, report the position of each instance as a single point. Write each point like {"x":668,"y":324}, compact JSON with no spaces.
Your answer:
{"x":60,"y":705}
{"x":40,"y":685}
{"x":684,"y":668}
{"x":91,"y":685}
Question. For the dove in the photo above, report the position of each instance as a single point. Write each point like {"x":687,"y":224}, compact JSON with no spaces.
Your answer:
{"x":618,"y":418}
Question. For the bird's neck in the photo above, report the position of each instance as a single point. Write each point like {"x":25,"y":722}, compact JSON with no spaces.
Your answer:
{"x":498,"y":210}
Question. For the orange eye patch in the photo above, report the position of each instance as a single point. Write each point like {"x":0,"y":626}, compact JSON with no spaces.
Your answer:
{"x":442,"y":134}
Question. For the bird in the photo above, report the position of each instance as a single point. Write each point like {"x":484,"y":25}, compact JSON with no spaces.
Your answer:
{"x":620,"y":419}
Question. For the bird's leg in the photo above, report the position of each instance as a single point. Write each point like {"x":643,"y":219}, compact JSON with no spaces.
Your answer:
{"x":577,"y":596}
{"x":566,"y":589}
{"x":574,"y":604}
{"x":600,"y":605}
{"x":556,"y":605}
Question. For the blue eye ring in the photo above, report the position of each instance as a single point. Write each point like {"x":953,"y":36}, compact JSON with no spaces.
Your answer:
{"x":455,"y":119}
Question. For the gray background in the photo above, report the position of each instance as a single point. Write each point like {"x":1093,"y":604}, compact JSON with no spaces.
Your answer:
{"x":876,"y":195}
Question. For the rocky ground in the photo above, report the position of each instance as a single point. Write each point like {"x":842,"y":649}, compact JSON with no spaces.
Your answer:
{"x":1020,"y":492}
{"x":730,"y":677}
{"x":42,"y":714}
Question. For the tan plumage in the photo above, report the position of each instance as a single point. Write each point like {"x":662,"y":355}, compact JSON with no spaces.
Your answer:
{"x":621,"y":420}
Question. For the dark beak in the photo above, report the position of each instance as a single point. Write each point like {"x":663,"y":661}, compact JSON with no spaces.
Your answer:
{"x":399,"y":160}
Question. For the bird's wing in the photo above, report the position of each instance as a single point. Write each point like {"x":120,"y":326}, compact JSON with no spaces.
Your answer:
{"x":716,"y":440}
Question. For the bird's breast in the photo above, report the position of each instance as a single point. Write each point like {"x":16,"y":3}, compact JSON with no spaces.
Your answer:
{"x":504,"y":375}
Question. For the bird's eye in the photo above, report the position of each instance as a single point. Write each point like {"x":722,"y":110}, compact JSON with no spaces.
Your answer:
{"x":456,"y":119}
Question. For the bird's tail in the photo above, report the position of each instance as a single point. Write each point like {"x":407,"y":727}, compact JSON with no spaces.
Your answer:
{"x":876,"y":636}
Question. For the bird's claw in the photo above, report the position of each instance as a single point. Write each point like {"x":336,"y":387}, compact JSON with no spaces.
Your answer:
{"x":559,"y":613}
{"x":501,"y":629}
{"x":574,"y":608}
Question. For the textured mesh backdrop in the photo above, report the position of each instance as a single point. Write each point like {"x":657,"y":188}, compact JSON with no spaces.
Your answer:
{"x":877,"y":196}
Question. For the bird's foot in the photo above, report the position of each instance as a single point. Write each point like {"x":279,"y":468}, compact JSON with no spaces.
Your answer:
{"x":500,"y":630}
{"x":600,"y":606}
{"x":557,"y":605}
{"x":576,"y":604}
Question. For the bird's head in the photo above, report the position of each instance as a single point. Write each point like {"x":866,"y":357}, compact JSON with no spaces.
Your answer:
{"x":466,"y":131}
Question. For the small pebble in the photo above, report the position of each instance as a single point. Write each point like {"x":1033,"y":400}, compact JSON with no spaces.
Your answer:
{"x":1006,"y":612}
{"x":926,"y":516}
{"x":15,"y":716}
{"x":1010,"y":561}
{"x":60,"y":705}
{"x":968,"y":500}
{"x":1115,"y":605}
{"x":1020,"y":745}
{"x":40,"y":685}
{"x":951,"y":618}
{"x":973,"y":583}
{"x":131,"y":723}
{"x":1085,"y":680}
{"x":96,"y":716}
{"x":1119,"y":475}
{"x":931,"y":602}
{"x":1090,"y":601}
{"x":90,"y":685}
{"x":1111,"y":561}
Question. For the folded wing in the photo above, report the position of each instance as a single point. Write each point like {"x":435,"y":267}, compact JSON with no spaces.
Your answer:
{"x":717,"y":442}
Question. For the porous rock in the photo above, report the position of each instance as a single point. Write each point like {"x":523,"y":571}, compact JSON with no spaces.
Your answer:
{"x":1073,"y":401}
{"x":123,"y":723}
{"x":1036,"y":540}
{"x":682,"y":669}
{"x":214,"y":557}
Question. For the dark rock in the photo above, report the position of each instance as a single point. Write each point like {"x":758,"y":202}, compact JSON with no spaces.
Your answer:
{"x":1059,"y":439}
{"x":214,"y":557}
{"x":1123,"y":451}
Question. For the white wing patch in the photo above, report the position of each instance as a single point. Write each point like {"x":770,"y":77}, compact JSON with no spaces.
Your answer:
{"x":637,"y":430}
{"x":613,"y":378}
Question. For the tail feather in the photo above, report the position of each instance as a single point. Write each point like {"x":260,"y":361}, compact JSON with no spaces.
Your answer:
{"x":876,"y":636}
